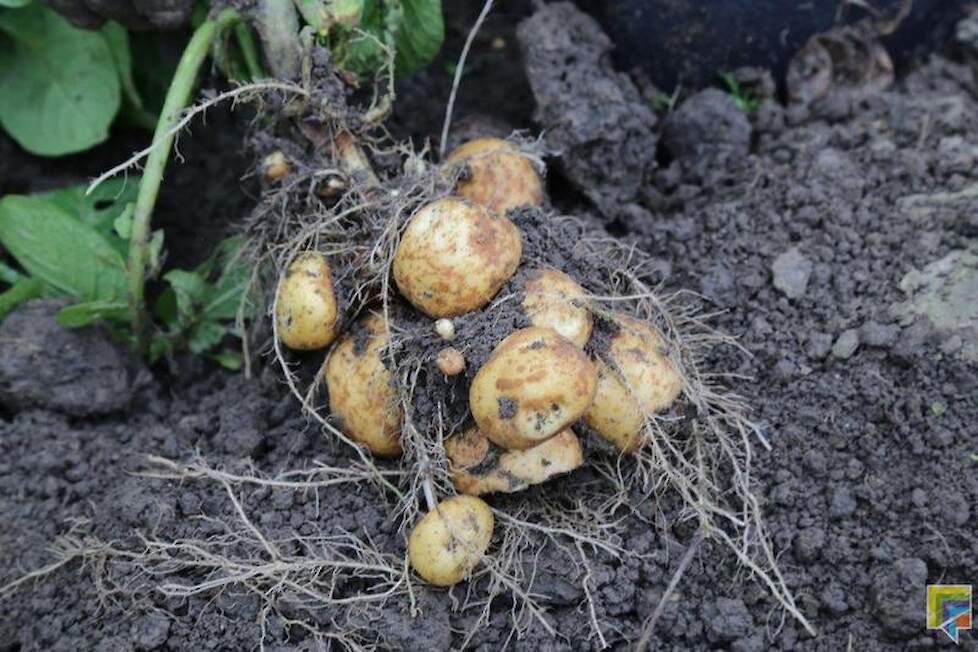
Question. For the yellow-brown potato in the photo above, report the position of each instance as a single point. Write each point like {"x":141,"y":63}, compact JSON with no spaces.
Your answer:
{"x":305,"y":305}
{"x":454,"y":257}
{"x":554,"y":300}
{"x":360,"y":393}
{"x":499,"y":176}
{"x":480,"y":467}
{"x":275,"y":166}
{"x":450,"y":540}
{"x":635,"y":379}
{"x":535,"y":384}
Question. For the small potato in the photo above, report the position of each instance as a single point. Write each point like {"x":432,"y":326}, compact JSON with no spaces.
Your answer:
{"x":554,"y":300}
{"x":305,"y":307}
{"x":535,"y":384}
{"x":451,"y":539}
{"x":359,"y":389}
{"x":450,"y":361}
{"x":275,"y":166}
{"x":454,"y":257}
{"x":480,"y":467}
{"x":635,"y":379}
{"x":499,"y":176}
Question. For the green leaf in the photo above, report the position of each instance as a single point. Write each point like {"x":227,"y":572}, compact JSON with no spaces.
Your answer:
{"x":23,"y":290}
{"x":419,"y":35}
{"x":89,"y":312}
{"x":232,"y":360}
{"x":59,"y":89}
{"x":61,"y":251}
{"x":153,"y":65}
{"x":101,"y":209}
{"x":15,"y":4}
{"x":134,"y":110}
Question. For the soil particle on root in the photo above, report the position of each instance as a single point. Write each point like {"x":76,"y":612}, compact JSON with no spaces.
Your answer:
{"x":591,"y":114}
{"x":80,"y":372}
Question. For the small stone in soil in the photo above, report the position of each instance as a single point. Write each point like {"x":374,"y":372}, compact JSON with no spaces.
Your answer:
{"x":846,"y":344}
{"x":791,"y":273}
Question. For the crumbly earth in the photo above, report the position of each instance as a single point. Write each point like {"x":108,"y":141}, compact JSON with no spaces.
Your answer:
{"x":868,"y":488}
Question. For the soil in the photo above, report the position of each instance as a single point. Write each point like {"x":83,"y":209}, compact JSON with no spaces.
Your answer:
{"x":802,"y":244}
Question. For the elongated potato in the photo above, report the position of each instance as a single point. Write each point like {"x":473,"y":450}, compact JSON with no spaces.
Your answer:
{"x":359,"y":387}
{"x":554,"y":300}
{"x":499,"y":176}
{"x":480,"y":467}
{"x":454,"y":257}
{"x":635,"y":379}
{"x":451,"y":539}
{"x":305,"y":308}
{"x":535,"y":384}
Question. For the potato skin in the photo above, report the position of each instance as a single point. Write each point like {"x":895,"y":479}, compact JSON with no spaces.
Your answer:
{"x":634,"y":380}
{"x":500,"y":176}
{"x":454,"y":257}
{"x":451,"y":539}
{"x":305,"y":305}
{"x":535,"y":384}
{"x":359,"y":389}
{"x":479,"y":467}
{"x":549,"y":303}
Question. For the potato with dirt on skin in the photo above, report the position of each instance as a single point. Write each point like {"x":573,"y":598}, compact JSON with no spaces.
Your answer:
{"x":451,"y":539}
{"x":480,"y":467}
{"x":499,"y":176}
{"x":554,"y":300}
{"x":534,"y":384}
{"x":359,"y":387}
{"x":635,"y":380}
{"x":454,"y":257}
{"x":305,"y":304}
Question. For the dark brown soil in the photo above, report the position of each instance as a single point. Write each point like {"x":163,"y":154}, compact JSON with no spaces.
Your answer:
{"x":868,"y":489}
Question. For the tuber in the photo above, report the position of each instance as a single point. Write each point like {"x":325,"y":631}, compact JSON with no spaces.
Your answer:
{"x":450,"y":540}
{"x":534,"y":384}
{"x":360,"y":391}
{"x":305,"y":304}
{"x":554,"y":300}
{"x":454,"y":257}
{"x":498,"y":175}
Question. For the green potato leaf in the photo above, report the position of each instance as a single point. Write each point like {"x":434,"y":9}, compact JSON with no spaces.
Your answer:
{"x":65,"y":254}
{"x":419,"y":35}
{"x":89,"y":312}
{"x":15,"y":4}
{"x":59,"y":86}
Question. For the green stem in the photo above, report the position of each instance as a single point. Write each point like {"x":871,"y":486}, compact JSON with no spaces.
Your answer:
{"x":177,"y":98}
{"x":249,"y":49}
{"x":23,"y":290}
{"x":8,"y":274}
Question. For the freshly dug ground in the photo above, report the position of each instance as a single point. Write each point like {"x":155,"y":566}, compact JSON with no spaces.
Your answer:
{"x":800,"y":243}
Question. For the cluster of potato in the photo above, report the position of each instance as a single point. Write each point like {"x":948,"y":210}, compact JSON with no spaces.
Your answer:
{"x":454,"y":256}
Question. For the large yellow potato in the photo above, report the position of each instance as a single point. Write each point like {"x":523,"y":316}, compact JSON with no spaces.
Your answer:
{"x":360,"y":392}
{"x":635,"y":380}
{"x":451,"y":539}
{"x":454,"y":257}
{"x":305,"y":305}
{"x":499,"y":176}
{"x":535,"y":384}
{"x":480,"y":467}
{"x":554,"y":300}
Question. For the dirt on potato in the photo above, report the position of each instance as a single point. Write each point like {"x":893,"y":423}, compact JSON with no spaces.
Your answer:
{"x":832,"y":249}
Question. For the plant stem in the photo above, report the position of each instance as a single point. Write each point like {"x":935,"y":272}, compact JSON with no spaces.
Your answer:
{"x":249,"y":49}
{"x":177,"y":98}
{"x":23,"y":290}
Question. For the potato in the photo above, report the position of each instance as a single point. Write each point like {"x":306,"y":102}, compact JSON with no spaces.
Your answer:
{"x":360,"y":392}
{"x":499,"y":176}
{"x":451,"y":539}
{"x":305,"y":305}
{"x":480,"y":467}
{"x":450,"y":361}
{"x":635,"y":380}
{"x":535,"y":384}
{"x":454,"y":256}
{"x":275,"y":166}
{"x":550,"y":303}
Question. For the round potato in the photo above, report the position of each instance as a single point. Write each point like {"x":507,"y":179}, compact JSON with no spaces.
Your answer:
{"x":535,"y":384}
{"x":359,"y":387}
{"x":499,"y":176}
{"x":305,"y":305}
{"x":480,"y":467}
{"x":454,"y":256}
{"x":554,"y":300}
{"x":635,"y":380}
{"x":451,"y":539}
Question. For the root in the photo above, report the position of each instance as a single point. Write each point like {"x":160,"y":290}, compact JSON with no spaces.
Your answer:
{"x":649,"y":628}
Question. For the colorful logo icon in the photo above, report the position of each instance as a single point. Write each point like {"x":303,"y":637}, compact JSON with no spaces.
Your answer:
{"x":949,"y":608}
